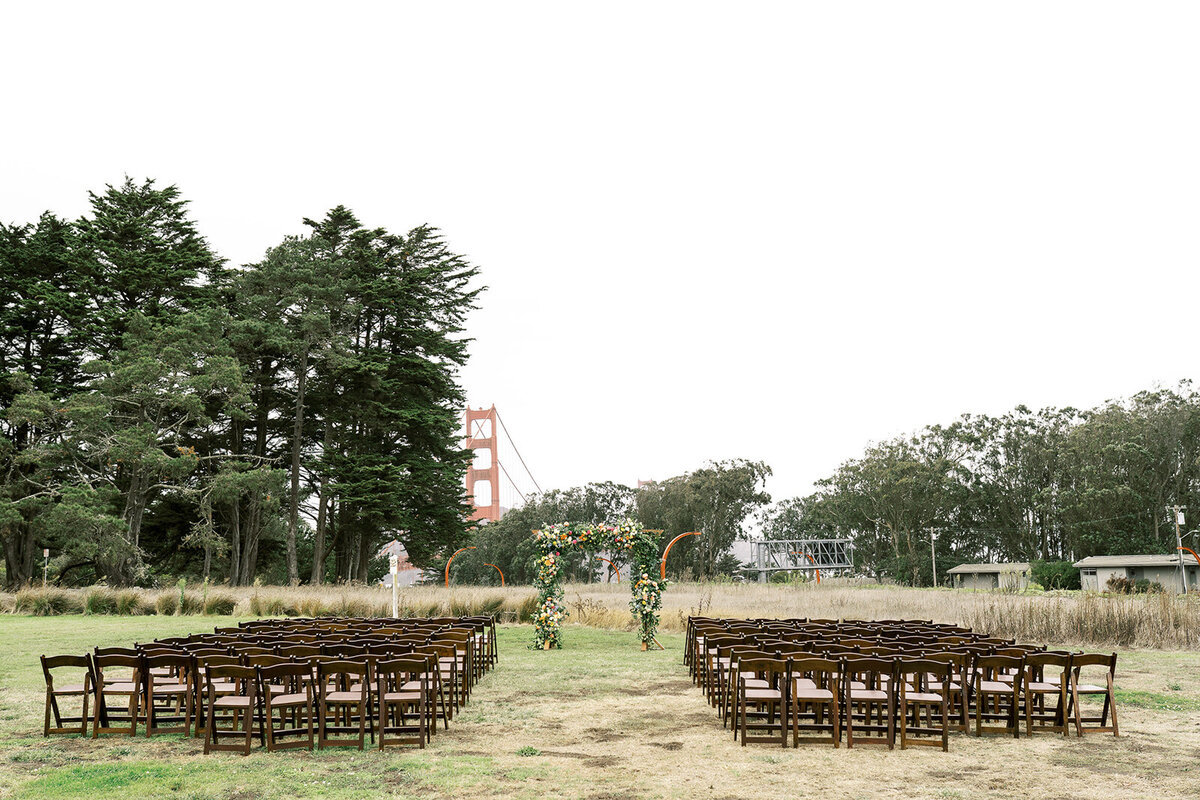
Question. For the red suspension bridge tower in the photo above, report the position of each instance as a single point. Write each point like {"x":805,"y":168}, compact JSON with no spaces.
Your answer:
{"x":483,"y":436}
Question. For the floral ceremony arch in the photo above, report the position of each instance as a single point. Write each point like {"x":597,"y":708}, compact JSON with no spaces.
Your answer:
{"x":645,"y":586}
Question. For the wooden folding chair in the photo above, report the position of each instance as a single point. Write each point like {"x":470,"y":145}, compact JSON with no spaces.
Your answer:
{"x":167,"y":693}
{"x":402,"y":689}
{"x":762,"y":709}
{"x":915,"y":681}
{"x":106,"y":682}
{"x":814,"y":686}
{"x":202,"y":661}
{"x":1094,"y":723}
{"x":82,"y":690}
{"x":1047,"y":675}
{"x":339,"y":707}
{"x":236,"y":705}
{"x":957,"y":687}
{"x":287,"y":688}
{"x":869,"y":700}
{"x":997,"y":699}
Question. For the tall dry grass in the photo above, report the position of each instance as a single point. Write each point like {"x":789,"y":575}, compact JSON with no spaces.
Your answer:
{"x":1156,"y":620}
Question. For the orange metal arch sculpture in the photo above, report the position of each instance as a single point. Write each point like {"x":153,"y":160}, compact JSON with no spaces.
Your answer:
{"x":456,"y":552}
{"x":611,"y":566}
{"x":662,"y":565}
{"x":493,"y":566}
{"x":811,"y":561}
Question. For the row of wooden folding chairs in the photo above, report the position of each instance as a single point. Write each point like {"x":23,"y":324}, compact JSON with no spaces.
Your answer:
{"x":916,"y":697}
{"x":484,"y":625}
{"x":994,"y":700}
{"x":172,"y":670}
{"x":168,"y":691}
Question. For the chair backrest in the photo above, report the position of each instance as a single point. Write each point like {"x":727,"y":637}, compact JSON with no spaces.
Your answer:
{"x":392,"y":672}
{"x":826,"y":673}
{"x":868,"y":670}
{"x":50,"y":663}
{"x":772,"y":670}
{"x":264,"y":660}
{"x":988,"y":667}
{"x":235,"y":672}
{"x":328,"y":669}
{"x":105,"y":661}
{"x":179,"y":663}
{"x":291,"y":675}
{"x":1108,"y":661}
{"x":1037,"y":664}
{"x":295,"y":651}
{"x":918,"y":671}
{"x":115,"y":651}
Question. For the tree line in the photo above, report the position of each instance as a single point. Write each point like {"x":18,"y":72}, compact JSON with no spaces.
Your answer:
{"x":163,"y":413}
{"x":719,"y":498}
{"x":1049,"y":485}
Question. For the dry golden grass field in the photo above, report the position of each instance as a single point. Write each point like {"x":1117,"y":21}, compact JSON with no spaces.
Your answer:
{"x":601,"y":719}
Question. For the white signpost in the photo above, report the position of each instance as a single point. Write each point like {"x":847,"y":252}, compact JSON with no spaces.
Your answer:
{"x":395,"y":564}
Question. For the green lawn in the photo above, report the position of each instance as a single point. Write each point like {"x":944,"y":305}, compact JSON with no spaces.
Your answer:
{"x":599,"y":719}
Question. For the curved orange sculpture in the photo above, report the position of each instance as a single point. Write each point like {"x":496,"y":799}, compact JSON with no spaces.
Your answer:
{"x":493,"y":566}
{"x":611,"y":566}
{"x":811,"y":561}
{"x":662,"y":565}
{"x":456,"y":552}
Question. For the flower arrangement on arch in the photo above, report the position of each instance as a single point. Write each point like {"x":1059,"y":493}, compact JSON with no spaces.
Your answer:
{"x":646,"y":590}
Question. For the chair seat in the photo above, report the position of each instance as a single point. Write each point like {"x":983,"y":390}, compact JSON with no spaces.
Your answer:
{"x":1088,"y":688}
{"x":922,"y":697}
{"x":297,"y":699}
{"x":121,"y":688}
{"x":867,"y":694}
{"x":762,"y":694}
{"x":343,"y":697}
{"x":232,"y":701}
{"x":170,"y":688}
{"x":1043,"y":686}
{"x":813,"y":694}
{"x":402,"y":697}
{"x":805,"y":683}
{"x":70,"y":688}
{"x":755,"y":683}
{"x":995,"y":687}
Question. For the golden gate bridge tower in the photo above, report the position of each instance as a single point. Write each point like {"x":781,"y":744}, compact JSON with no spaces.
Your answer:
{"x":484,"y":488}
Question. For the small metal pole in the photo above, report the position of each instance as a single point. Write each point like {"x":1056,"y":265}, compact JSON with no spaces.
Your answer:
{"x":933,"y":555}
{"x":46,"y":565}
{"x":1179,"y":520}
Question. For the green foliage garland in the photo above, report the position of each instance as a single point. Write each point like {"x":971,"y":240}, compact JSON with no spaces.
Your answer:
{"x":647,"y":591}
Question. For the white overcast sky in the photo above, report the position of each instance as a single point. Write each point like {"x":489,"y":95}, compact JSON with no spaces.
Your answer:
{"x":776,"y":231}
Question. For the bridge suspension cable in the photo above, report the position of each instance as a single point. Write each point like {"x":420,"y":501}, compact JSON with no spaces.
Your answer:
{"x":519,"y":457}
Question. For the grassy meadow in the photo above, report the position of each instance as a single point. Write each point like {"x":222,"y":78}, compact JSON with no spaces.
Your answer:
{"x":1080,"y":618}
{"x":601,"y":719}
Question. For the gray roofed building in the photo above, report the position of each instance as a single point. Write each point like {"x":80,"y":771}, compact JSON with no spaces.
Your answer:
{"x":1162,"y":568}
{"x":991,"y":576}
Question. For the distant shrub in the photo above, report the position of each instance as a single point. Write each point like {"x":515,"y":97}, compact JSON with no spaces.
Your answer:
{"x":132,"y":602}
{"x":1055,"y":574}
{"x":47,"y":602}
{"x":1120,"y":585}
{"x":527,"y":609}
{"x":220,"y":603}
{"x":191,"y":603}
{"x":166,"y":604}
{"x":100,"y":600}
